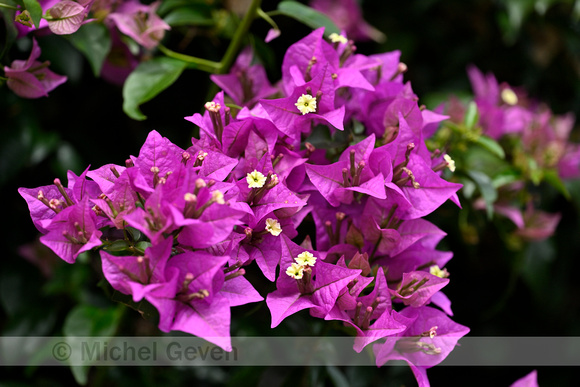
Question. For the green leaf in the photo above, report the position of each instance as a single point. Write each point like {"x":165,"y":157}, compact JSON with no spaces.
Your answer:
{"x":147,"y":311}
{"x":94,"y":41}
{"x":35,"y":10}
{"x":486,"y":188}
{"x":81,"y":374}
{"x":147,"y":80}
{"x":199,"y":15}
{"x":536,"y":173}
{"x":551,"y":176}
{"x":536,"y":268}
{"x":468,"y":189}
{"x":68,"y":280}
{"x":308,"y":16}
{"x":67,"y":158}
{"x":23,"y":144}
{"x":63,"y":56}
{"x":45,"y":143}
{"x":119,"y":245}
{"x":134,"y":233}
{"x":88,"y":320}
{"x":142,"y":246}
{"x":478,"y":158}
{"x":337,"y":377}
{"x":10,"y":32}
{"x":491,"y":145}
{"x":506,"y":177}
{"x":471,"y":116}
{"x":168,"y":5}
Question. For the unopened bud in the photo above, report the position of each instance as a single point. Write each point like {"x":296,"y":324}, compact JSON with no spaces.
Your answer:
{"x":189,"y":197}
{"x":212,"y":106}
{"x":218,"y":197}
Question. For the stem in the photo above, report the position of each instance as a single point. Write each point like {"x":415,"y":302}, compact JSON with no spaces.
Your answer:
{"x":2,"y":5}
{"x":234,"y":106}
{"x":239,"y":35}
{"x":267,"y":18}
{"x":375,"y":248}
{"x":196,"y":63}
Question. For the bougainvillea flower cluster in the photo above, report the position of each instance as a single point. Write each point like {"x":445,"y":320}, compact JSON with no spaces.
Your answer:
{"x":178,"y":227}
{"x":536,"y":144}
{"x":506,"y":110}
{"x":31,"y":78}
{"x":125,"y":20}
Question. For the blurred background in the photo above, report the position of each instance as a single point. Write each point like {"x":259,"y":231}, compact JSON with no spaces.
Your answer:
{"x":496,"y":288}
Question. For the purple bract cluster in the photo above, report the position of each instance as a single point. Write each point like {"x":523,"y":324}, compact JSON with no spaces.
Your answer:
{"x":505,"y":110}
{"x":536,"y":142}
{"x":239,"y":193}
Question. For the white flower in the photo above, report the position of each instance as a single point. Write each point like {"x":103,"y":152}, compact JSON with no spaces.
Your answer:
{"x":273,"y":226}
{"x":306,"y":104}
{"x":255,"y":179}
{"x":218,"y":197}
{"x":305,"y":259}
{"x":450,"y":162}
{"x":295,"y":271}
{"x":509,"y":97}
{"x":436,"y":271}
{"x":336,"y":38}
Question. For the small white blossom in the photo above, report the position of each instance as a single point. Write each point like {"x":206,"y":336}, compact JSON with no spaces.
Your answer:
{"x":436,"y":271}
{"x":218,"y":197}
{"x":295,"y":271}
{"x":509,"y":97}
{"x":450,"y":162}
{"x":255,"y":179}
{"x":306,"y":104}
{"x":337,"y":38}
{"x":305,"y":259}
{"x":273,"y":226}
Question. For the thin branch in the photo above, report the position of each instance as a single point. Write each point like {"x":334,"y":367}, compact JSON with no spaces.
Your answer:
{"x":194,"y":62}
{"x":239,"y":35}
